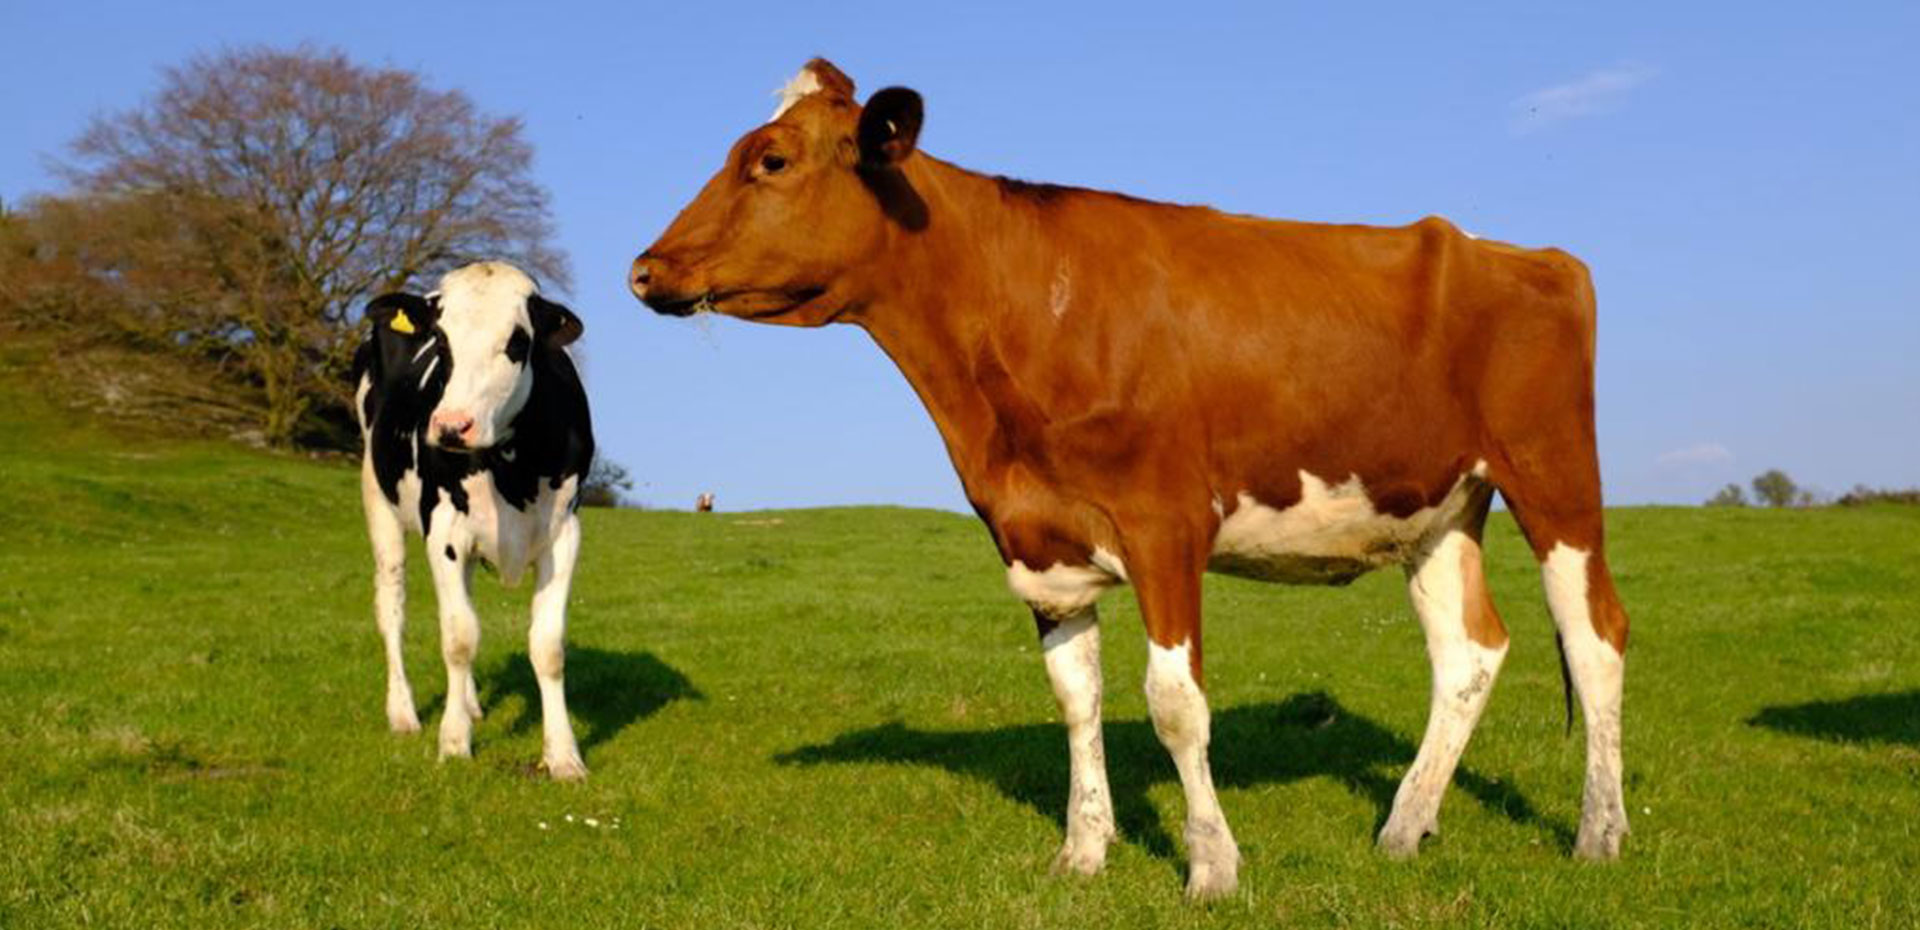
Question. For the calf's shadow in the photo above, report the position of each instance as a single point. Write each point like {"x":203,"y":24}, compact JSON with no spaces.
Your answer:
{"x":607,"y":691}
{"x":1308,"y":735}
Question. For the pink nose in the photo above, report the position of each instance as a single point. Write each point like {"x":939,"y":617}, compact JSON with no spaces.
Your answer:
{"x":452,"y":428}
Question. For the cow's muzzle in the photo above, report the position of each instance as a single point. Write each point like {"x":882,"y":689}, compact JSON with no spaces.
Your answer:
{"x":646,"y":285}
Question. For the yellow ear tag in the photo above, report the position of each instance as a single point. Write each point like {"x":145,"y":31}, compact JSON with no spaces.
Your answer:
{"x":401,"y":324}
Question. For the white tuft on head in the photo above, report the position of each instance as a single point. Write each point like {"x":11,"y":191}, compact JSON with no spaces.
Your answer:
{"x":802,"y":85}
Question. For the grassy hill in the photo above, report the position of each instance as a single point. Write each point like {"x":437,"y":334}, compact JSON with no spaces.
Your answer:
{"x":839,"y":718}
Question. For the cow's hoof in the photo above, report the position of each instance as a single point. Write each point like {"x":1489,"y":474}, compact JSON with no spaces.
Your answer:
{"x":1087,"y":857}
{"x":403,"y":720}
{"x":566,"y":768}
{"x":1213,"y":870}
{"x":1211,"y":881}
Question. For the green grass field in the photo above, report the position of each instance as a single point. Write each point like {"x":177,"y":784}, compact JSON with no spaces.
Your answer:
{"x":839,"y":718}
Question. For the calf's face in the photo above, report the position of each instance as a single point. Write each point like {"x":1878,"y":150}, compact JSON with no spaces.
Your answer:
{"x":470,"y":349}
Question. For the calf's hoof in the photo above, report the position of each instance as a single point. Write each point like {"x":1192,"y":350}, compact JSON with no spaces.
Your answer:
{"x":455,"y":747}
{"x":403,"y":721}
{"x":1599,"y":842}
{"x":1400,"y":842}
{"x":565,"y":768}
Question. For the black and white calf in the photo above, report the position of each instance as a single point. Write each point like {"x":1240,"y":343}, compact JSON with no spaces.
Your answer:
{"x":477,"y":437}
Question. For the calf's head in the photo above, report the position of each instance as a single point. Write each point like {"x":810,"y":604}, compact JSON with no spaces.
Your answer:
{"x":470,"y":349}
{"x":788,"y":228}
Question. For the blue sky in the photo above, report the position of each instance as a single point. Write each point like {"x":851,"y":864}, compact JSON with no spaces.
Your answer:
{"x":1743,"y":179}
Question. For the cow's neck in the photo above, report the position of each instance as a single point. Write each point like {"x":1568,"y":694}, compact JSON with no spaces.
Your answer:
{"x":947,"y":297}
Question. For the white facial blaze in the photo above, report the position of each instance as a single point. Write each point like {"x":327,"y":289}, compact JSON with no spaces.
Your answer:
{"x":481,"y":305}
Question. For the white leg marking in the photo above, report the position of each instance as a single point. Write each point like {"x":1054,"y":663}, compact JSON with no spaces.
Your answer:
{"x":1180,"y":718}
{"x":1598,"y":673}
{"x":547,"y":648}
{"x":390,"y":603}
{"x":1073,"y":664}
{"x":1463,"y":675}
{"x":459,"y":637}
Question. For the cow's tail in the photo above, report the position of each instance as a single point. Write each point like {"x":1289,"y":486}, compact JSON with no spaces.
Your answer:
{"x":1566,"y":678}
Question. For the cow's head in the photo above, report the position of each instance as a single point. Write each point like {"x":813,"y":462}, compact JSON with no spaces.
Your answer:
{"x":470,"y":348}
{"x":779,"y":232}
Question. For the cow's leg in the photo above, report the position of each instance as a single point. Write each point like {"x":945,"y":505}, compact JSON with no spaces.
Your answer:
{"x":1072,"y":647}
{"x":1558,"y":508}
{"x":459,"y":641}
{"x":547,"y":647}
{"x":390,"y":607}
{"x":1593,"y":632}
{"x":1466,"y":643}
{"x":1166,"y":576}
{"x":1062,"y":597}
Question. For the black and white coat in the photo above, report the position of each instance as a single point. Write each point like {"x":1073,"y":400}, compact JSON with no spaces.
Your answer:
{"x":477,"y":438}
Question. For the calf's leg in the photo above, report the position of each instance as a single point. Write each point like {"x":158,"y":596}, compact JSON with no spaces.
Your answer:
{"x":390,"y":607}
{"x":459,"y":642}
{"x":547,"y":648}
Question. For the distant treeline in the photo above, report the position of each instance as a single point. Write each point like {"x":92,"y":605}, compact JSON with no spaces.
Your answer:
{"x":1774,"y":488}
{"x":1862,"y":495}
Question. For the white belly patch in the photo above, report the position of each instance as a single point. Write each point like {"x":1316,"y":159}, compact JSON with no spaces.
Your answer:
{"x":1332,"y":535}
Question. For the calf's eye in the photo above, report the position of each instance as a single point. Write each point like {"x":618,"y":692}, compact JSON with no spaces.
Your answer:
{"x":518,"y":345}
{"x":771,"y":163}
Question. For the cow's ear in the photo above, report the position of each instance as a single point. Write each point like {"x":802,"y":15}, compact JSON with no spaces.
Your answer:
{"x":889,"y":127}
{"x":554,"y":325}
{"x":407,"y":314}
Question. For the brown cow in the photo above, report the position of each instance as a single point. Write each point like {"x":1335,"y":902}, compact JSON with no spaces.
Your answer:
{"x":1135,"y":392}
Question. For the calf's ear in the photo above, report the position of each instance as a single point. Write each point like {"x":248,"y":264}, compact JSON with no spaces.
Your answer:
{"x":406,"y":314}
{"x":889,"y":127}
{"x":554,"y":325}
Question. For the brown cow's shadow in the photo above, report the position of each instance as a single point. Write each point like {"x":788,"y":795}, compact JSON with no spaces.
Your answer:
{"x":607,"y":691}
{"x":1306,"y":736}
{"x":1867,"y":718}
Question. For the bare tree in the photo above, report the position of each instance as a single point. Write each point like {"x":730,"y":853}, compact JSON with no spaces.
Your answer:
{"x":606,"y":484}
{"x":274,"y":191}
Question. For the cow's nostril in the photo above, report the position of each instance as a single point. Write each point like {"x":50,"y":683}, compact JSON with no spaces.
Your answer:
{"x":642,"y":277}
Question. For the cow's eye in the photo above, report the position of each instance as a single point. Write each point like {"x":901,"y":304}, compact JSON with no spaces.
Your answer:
{"x":518,"y":345}
{"x":771,"y":163}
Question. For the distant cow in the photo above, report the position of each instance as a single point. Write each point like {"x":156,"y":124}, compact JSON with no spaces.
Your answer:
{"x":477,"y":437}
{"x":1141,"y":392}
{"x":704,"y":503}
